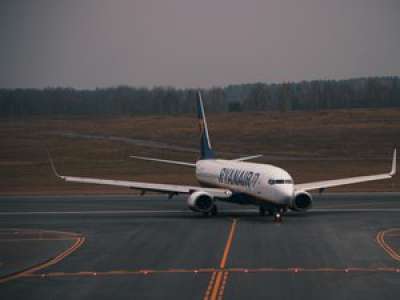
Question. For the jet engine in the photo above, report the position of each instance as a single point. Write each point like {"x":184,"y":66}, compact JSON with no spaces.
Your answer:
{"x":301,"y":201}
{"x":200,"y":202}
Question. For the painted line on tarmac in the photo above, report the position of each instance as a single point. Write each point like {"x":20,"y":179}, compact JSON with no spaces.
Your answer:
{"x":90,"y":212}
{"x":79,"y":240}
{"x":366,"y":204}
{"x":216,"y":286}
{"x":380,"y":239}
{"x":33,"y":239}
{"x":354,"y":210}
{"x":210,"y":285}
{"x":148,"y":272}
{"x":148,"y":211}
{"x":223,"y":284}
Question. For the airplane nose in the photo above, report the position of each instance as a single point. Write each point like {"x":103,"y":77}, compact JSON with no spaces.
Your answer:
{"x":286,"y":193}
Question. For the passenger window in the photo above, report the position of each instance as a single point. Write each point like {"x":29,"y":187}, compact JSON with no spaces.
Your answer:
{"x":271,"y":181}
{"x":279,"y":181}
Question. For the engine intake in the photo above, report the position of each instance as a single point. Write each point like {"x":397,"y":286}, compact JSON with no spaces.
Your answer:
{"x":302,"y":201}
{"x":200,"y":202}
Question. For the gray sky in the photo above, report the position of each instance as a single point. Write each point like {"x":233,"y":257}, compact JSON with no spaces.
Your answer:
{"x":192,"y":43}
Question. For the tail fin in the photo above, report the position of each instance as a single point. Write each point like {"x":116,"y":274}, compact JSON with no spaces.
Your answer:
{"x":206,"y":151}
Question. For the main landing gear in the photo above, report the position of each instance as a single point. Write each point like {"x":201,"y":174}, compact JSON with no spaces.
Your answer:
{"x":213,"y":212}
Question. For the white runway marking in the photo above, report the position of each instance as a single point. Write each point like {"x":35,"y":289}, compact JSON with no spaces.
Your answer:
{"x":168,"y":211}
{"x":355,"y":210}
{"x":91,"y":212}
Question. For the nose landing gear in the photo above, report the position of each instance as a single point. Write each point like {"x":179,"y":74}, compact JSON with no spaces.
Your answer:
{"x":276,"y":213}
{"x":277,"y":217}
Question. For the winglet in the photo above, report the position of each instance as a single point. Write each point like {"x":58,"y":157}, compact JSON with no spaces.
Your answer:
{"x":53,"y":168}
{"x":393,"y":171}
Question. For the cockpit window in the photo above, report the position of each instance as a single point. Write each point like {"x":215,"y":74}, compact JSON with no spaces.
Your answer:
{"x":280,"y":181}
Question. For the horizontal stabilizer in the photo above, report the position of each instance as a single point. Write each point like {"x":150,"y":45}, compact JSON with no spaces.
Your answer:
{"x":173,"y":162}
{"x":247,"y":157}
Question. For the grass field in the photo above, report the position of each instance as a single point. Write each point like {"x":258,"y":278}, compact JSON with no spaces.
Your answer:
{"x":310,"y":145}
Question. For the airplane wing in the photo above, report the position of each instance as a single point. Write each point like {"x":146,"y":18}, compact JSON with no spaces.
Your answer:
{"x":144,"y":186}
{"x":344,"y":181}
{"x":153,"y":187}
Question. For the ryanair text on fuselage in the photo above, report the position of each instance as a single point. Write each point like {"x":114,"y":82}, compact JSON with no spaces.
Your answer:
{"x":238,"y":177}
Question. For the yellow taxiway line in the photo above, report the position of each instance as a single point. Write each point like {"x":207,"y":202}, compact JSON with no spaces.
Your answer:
{"x":216,"y":286}
{"x":380,"y":239}
{"x":79,"y":240}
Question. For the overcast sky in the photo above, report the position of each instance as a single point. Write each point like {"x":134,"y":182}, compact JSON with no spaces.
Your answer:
{"x":193,"y":43}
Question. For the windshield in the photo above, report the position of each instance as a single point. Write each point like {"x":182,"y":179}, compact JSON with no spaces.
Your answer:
{"x":280,"y":181}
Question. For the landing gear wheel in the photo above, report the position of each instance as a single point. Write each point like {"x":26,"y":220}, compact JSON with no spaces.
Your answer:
{"x":214,"y":210}
{"x":262,"y":211}
{"x":277,"y":217}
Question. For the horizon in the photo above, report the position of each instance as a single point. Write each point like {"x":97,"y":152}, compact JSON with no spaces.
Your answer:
{"x":204,"y":88}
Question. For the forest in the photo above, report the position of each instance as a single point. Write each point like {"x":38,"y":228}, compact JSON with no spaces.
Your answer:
{"x":125,"y":100}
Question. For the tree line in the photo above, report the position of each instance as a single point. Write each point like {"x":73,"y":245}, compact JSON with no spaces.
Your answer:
{"x":125,"y":100}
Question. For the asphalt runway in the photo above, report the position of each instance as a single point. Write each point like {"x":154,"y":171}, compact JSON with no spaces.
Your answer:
{"x":130,"y":247}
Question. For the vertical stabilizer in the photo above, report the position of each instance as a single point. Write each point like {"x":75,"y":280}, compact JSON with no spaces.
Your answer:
{"x":206,"y":151}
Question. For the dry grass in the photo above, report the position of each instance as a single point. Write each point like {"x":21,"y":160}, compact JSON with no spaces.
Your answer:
{"x":356,"y":142}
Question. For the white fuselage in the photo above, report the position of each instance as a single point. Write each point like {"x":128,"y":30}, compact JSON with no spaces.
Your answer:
{"x":262,"y":181}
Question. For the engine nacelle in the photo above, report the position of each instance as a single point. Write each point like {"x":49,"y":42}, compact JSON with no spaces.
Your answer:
{"x":200,"y":202}
{"x":301,"y":201}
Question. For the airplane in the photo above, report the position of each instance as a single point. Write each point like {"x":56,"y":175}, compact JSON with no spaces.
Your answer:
{"x":269,"y":187}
